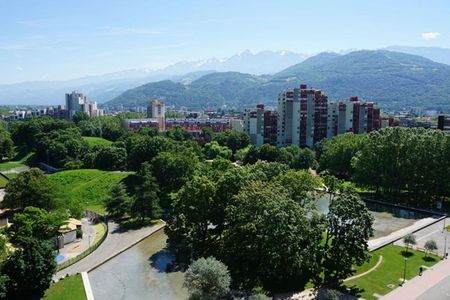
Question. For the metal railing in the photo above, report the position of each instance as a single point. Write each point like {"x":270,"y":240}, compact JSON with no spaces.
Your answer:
{"x":91,"y":249}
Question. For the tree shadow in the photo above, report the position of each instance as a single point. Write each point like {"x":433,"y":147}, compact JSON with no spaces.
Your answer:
{"x":163,"y":261}
{"x":428,"y":258}
{"x":127,"y":224}
{"x":406,"y":254}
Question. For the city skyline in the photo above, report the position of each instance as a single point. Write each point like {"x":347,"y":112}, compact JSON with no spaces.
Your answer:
{"x":50,"y":40}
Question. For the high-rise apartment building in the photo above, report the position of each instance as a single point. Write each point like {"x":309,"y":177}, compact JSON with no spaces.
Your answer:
{"x":302,"y":117}
{"x":77,"y":102}
{"x":157,"y":110}
{"x":352,"y":116}
{"x":260,"y":125}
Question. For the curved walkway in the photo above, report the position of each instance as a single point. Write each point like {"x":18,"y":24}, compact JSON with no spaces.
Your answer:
{"x":380,"y":260}
{"x":116,"y":242}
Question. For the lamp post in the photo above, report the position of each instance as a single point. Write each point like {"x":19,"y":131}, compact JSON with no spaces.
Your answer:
{"x":404,"y":271}
{"x":89,"y":237}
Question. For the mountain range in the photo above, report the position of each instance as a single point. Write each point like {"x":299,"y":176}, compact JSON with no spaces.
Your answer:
{"x":395,"y":80}
{"x":107,"y":86}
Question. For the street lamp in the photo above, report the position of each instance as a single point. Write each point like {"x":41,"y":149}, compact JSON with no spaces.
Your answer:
{"x":89,"y":237}
{"x":404,"y":271}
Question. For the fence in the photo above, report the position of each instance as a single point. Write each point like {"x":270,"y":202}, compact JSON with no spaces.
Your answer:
{"x":93,"y":216}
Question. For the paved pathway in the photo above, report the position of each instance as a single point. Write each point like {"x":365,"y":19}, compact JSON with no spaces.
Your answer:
{"x":116,"y":242}
{"x":433,"y":284}
{"x":380,"y":260}
{"x":434,"y":232}
{"x":78,"y":246}
{"x":394,"y":236}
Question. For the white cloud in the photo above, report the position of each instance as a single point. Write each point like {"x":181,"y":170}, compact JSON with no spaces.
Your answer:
{"x":19,"y":68}
{"x":430,"y":35}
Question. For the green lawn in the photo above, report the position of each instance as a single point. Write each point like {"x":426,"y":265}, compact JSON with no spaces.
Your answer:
{"x":70,"y":288}
{"x":390,"y":271}
{"x":11,"y":165}
{"x":100,"y":230}
{"x":3,"y":182}
{"x":87,"y":186}
{"x":96,"y":141}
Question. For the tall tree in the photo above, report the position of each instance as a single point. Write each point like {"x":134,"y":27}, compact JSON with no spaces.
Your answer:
{"x":301,"y":185}
{"x":6,"y":145}
{"x":36,"y":223}
{"x":172,"y":170}
{"x":338,"y":152}
{"x":118,"y":202}
{"x":30,"y":269}
{"x":188,"y":225}
{"x":31,"y":188}
{"x":348,"y":231}
{"x":271,"y":241}
{"x":145,"y":202}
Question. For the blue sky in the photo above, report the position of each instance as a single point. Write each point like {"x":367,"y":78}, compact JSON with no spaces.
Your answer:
{"x":57,"y":40}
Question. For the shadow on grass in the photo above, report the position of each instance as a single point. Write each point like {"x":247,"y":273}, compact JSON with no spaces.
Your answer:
{"x":406,"y":254}
{"x":352,"y":291}
{"x":428,"y":258}
{"x":126,"y":224}
{"x":164,"y":262}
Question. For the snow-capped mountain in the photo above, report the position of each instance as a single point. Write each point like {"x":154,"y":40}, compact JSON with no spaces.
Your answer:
{"x":107,"y":86}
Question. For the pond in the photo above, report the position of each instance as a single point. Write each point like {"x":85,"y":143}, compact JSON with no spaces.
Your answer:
{"x":139,"y":273}
{"x":387,"y":218}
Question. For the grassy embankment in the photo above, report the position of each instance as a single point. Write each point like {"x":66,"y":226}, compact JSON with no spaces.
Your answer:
{"x":70,"y":288}
{"x":96,"y":141}
{"x":19,"y":161}
{"x":87,"y":186}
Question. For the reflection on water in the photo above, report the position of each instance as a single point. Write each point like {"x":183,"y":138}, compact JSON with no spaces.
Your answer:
{"x":139,"y":273}
{"x":387,"y":219}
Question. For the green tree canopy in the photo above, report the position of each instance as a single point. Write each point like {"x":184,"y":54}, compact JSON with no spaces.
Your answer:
{"x":270,"y":240}
{"x":173,"y":169}
{"x":31,"y":188}
{"x":145,"y":203}
{"x":232,"y":139}
{"x":338,"y":152}
{"x":30,"y":269}
{"x":6,"y":145}
{"x":36,"y":223}
{"x":207,"y":278}
{"x":348,"y":231}
{"x":118,"y":203}
{"x":188,"y":226}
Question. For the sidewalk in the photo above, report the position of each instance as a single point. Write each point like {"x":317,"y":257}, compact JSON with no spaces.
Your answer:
{"x":417,"y":286}
{"x":79,"y":246}
{"x":116,"y":242}
{"x":399,"y":234}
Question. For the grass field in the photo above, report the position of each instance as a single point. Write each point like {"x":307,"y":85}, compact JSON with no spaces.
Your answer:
{"x":387,"y":276}
{"x":11,"y":165}
{"x":3,"y":182}
{"x":70,"y":288}
{"x":100,"y":230}
{"x":87,"y":186}
{"x":96,"y":141}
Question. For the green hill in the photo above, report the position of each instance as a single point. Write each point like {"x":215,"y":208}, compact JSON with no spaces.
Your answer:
{"x":87,"y":186}
{"x":395,"y":80}
{"x":96,"y":141}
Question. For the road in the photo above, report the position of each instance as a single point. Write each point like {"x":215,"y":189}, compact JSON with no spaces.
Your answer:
{"x":116,"y":242}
